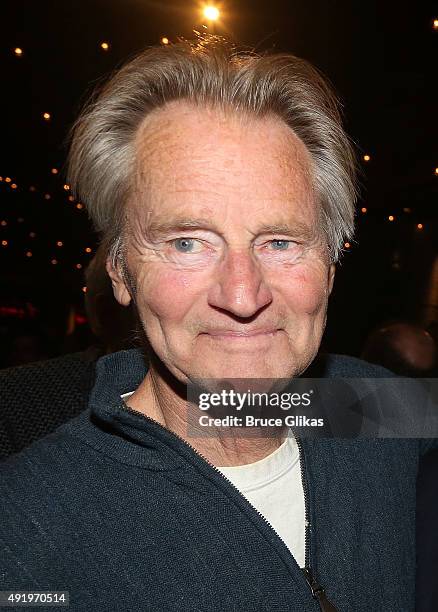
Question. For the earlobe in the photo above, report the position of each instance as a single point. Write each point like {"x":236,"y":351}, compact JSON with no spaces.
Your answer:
{"x":120,"y":290}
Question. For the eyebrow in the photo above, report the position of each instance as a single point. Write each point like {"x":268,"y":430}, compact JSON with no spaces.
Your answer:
{"x":297,"y":229}
{"x":158,"y":228}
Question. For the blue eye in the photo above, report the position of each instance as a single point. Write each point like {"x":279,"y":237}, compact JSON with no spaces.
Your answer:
{"x":184,"y":245}
{"x":280,"y":245}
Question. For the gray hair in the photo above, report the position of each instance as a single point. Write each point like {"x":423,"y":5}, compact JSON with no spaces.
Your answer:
{"x":210,"y":71}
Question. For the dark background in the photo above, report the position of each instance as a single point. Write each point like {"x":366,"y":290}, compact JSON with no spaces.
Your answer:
{"x":380,"y":56}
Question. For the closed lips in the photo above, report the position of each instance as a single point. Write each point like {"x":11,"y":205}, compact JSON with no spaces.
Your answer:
{"x":242,"y":334}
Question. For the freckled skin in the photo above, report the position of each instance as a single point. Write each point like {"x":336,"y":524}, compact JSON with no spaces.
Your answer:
{"x":238,"y":174}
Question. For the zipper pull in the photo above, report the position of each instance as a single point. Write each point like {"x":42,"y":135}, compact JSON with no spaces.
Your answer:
{"x":318,"y":592}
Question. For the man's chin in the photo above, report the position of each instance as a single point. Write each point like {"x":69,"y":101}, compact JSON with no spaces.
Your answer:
{"x":243,"y":369}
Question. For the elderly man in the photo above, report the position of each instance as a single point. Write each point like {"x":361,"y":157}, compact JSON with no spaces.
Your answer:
{"x":223,"y":186}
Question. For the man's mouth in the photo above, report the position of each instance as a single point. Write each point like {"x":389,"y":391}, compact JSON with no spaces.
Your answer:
{"x":232,"y":334}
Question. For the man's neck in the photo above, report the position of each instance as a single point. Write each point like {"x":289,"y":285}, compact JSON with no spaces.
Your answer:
{"x":221,"y":447}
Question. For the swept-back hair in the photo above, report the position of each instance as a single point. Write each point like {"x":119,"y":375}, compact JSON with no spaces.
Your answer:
{"x":212,"y":72}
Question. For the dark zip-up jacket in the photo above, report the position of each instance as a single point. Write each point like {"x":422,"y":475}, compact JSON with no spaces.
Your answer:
{"x":126,"y":516}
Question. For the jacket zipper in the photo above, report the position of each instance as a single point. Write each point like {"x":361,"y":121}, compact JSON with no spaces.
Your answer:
{"x":315,"y":588}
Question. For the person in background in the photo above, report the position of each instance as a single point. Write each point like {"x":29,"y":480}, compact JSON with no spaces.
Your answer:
{"x":37,"y":397}
{"x":115,"y":328}
{"x":407,"y":349}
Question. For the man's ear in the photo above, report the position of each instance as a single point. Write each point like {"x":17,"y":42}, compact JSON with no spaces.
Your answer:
{"x":331,"y":277}
{"x":120,"y":290}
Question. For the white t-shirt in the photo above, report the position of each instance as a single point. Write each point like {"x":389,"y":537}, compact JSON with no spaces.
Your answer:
{"x":273,"y":486}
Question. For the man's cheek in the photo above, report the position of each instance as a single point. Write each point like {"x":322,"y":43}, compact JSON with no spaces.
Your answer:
{"x":307,"y":293}
{"x":169,"y":295}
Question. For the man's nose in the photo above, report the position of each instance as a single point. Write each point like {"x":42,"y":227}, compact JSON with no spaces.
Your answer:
{"x":239,"y":286}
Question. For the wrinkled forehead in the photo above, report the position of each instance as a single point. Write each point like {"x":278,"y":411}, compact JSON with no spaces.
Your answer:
{"x":191,"y":157}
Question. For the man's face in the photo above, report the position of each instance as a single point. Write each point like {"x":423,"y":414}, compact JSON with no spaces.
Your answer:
{"x":224,"y":245}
